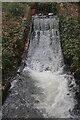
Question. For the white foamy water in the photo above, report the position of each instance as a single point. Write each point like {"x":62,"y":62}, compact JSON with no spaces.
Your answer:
{"x":45,"y":67}
{"x":56,"y":100}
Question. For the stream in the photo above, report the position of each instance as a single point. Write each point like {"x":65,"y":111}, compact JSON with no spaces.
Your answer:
{"x":43,"y":89}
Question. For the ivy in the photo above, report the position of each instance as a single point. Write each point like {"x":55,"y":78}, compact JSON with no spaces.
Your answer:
{"x":69,"y":33}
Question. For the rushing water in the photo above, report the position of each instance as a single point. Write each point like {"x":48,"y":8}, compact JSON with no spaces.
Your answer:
{"x":45,"y":66}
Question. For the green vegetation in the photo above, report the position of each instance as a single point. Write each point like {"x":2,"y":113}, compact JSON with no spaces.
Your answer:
{"x":69,"y":34}
{"x":13,"y":42}
{"x":69,"y":29}
{"x":13,"y":9}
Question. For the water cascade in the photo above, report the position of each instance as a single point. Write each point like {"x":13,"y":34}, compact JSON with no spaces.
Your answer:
{"x":46,"y":67}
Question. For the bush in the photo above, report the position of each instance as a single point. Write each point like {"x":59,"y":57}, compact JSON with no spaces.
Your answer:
{"x":15,"y":8}
{"x":13,"y":40}
{"x":7,"y":59}
{"x":69,"y":33}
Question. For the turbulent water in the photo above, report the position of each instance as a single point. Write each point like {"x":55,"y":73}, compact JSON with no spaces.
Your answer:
{"x":45,"y":66}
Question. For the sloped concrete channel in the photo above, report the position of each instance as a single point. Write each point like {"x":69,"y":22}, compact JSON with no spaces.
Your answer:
{"x":42,"y":89}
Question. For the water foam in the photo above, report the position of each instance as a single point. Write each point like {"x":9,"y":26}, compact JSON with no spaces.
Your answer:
{"x":44,"y":65}
{"x":56,"y":101}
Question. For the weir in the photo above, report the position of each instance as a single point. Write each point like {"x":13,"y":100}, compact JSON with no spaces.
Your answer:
{"x":45,"y":65}
{"x":42,"y":89}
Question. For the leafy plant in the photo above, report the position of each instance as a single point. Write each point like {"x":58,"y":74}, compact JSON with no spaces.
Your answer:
{"x":69,"y":33}
{"x":14,"y":8}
